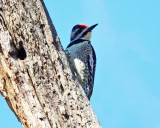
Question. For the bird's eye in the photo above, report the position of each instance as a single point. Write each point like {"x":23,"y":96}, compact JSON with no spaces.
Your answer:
{"x":79,"y":31}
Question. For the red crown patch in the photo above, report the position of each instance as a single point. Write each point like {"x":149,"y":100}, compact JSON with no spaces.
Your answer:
{"x":83,"y":25}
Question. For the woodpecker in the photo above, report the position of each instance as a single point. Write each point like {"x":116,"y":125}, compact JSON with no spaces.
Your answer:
{"x":82,"y":57}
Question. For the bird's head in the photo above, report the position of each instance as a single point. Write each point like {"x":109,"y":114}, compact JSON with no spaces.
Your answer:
{"x":82,"y":31}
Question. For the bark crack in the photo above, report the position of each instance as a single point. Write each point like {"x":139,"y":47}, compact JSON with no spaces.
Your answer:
{"x":38,"y":97}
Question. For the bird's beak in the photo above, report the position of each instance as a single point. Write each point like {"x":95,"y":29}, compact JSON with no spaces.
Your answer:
{"x":91,"y":27}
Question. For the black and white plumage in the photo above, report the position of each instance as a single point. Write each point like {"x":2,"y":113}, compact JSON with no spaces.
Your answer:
{"x":82,"y":57}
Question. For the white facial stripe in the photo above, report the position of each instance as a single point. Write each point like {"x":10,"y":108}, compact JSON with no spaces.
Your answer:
{"x":73,"y":33}
{"x":77,"y":36}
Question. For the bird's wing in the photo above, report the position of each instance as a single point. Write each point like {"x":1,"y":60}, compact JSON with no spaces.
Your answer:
{"x":92,"y":68}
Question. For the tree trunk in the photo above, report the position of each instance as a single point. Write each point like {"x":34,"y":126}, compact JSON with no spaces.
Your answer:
{"x":35,"y":77}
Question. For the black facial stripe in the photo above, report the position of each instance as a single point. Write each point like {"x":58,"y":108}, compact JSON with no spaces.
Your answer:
{"x":76,"y":32}
{"x":84,"y":34}
{"x":77,"y":42}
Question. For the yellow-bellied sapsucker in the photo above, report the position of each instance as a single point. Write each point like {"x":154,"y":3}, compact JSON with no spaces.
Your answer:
{"x":82,"y":57}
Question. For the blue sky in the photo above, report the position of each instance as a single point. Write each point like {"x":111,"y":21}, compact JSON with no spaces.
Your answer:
{"x":127,"y":43}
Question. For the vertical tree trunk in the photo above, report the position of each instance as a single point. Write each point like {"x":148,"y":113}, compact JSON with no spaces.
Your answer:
{"x":35,"y":78}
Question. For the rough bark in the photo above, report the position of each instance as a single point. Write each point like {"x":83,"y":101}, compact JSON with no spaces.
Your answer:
{"x":35,"y":78}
